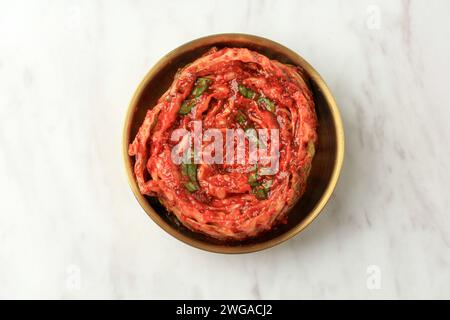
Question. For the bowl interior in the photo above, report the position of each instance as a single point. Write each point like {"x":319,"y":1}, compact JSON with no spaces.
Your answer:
{"x":325,"y":166}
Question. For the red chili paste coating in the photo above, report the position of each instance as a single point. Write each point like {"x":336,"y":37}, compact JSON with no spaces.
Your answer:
{"x":239,"y":88}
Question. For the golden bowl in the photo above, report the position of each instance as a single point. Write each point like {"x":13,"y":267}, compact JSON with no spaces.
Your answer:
{"x":326,"y":165}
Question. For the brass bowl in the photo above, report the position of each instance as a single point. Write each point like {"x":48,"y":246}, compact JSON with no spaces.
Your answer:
{"x":326,"y":165}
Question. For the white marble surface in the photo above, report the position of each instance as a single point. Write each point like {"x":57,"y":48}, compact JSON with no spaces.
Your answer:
{"x":70,"y":226}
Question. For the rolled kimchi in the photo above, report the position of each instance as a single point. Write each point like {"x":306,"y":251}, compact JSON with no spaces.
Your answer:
{"x":228,"y":147}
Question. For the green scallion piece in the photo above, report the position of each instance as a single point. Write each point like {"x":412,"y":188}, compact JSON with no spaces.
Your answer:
{"x":246,"y":92}
{"x":260,"y":194}
{"x":184,"y":170}
{"x":201,"y":85}
{"x":186,"y":107}
{"x":253,"y":179}
{"x":191,"y":186}
{"x":192,"y":172}
{"x":266,"y":103}
{"x":240,"y":118}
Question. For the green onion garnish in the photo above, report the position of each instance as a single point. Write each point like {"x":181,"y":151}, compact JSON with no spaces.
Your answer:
{"x":200,"y":86}
{"x":246,"y":92}
{"x":266,"y":103}
{"x":191,"y":186}
{"x":186,"y":107}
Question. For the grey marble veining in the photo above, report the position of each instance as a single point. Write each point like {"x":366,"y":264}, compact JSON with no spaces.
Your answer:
{"x":70,"y":226}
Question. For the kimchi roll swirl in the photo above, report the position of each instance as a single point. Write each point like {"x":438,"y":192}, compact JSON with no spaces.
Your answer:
{"x":228,"y":147}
